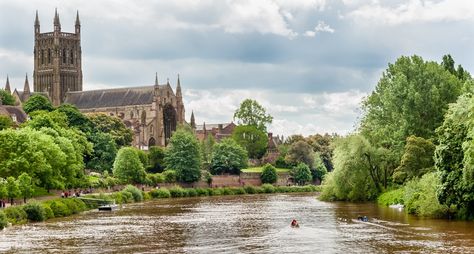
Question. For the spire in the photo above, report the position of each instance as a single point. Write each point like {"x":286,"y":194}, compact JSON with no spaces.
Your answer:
{"x":178,"y":88}
{"x":7,"y":86}
{"x":26,"y":88}
{"x":156,"y":78}
{"x":167,"y":81}
{"x":57,"y":24}
{"x":193,"y":121}
{"x":78,"y":24}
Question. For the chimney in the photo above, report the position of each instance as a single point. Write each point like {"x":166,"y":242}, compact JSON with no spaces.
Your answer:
{"x":220,"y":127}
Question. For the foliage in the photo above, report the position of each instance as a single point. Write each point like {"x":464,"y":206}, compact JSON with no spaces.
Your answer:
{"x":269,"y":174}
{"x":255,"y":141}
{"x":37,"y":102}
{"x":228,"y":157}
{"x":318,"y":170}
{"x":392,"y":197}
{"x":155,"y":179}
{"x":25,"y":185}
{"x":34,"y":211}
{"x":183,"y":155}
{"x":5,"y":122}
{"x":156,"y":157}
{"x":417,"y":159}
{"x":411,"y":98}
{"x":300,"y":152}
{"x":12,"y":188}
{"x":454,"y":157}
{"x":6,"y":98}
{"x":169,"y":175}
{"x":160,"y":193}
{"x":420,"y":196}
{"x":127,"y":166}
{"x":177,"y":192}
{"x":114,"y":126}
{"x":15,"y":215}
{"x":322,"y":144}
{"x":3,"y":220}
{"x":103,"y":153}
{"x":142,"y":156}
{"x":75,"y":118}
{"x":136,"y":193}
{"x":207,"y":146}
{"x":252,"y":113}
{"x":460,"y":73}
{"x":268,"y":188}
{"x":301,"y":174}
{"x":3,"y":189}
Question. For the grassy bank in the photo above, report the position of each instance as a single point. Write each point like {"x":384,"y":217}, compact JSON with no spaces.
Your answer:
{"x":259,"y":170}
{"x":35,"y":211}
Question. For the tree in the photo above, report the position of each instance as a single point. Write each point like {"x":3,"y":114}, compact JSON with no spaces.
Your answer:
{"x":411,"y":98}
{"x":103,"y":153}
{"x":293,"y":139}
{"x":252,"y":113}
{"x":6,"y":98}
{"x":183,"y":155}
{"x":300,"y":152}
{"x":454,"y":158}
{"x":75,"y":118}
{"x":5,"y":122}
{"x":3,"y":189}
{"x":301,"y":174}
{"x":12,"y":189}
{"x":252,"y":139}
{"x":228,"y":157}
{"x":318,"y":170}
{"x":207,"y":146}
{"x":417,"y":159}
{"x":460,"y":73}
{"x":26,"y":186}
{"x":322,"y":145}
{"x":114,"y":126}
{"x":128,"y":167}
{"x":37,"y":102}
{"x":156,"y":156}
{"x":269,"y":174}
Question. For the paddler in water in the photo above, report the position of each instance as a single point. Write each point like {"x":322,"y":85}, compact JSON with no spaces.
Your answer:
{"x":294,"y":224}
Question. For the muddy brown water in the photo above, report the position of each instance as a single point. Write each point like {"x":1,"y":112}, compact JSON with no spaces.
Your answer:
{"x":241,"y":224}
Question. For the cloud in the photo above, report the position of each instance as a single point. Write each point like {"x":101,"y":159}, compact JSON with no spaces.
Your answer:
{"x":415,"y":11}
{"x":321,"y":27}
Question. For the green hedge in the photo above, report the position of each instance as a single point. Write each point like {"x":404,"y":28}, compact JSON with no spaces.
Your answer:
{"x":3,"y":220}
{"x":35,"y":211}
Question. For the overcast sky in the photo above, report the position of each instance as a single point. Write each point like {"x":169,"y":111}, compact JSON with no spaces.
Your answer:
{"x":309,"y":62}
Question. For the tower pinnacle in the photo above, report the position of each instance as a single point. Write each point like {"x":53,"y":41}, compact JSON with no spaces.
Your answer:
{"x":7,"y":86}
{"x":57,"y":23}
{"x":178,"y":88}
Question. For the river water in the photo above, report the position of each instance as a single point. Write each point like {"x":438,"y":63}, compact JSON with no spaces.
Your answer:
{"x":241,"y":224}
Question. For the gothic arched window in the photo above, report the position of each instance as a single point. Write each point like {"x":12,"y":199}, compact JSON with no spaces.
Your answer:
{"x":64,"y":56}
{"x":49,"y":56}
{"x":72,"y":57}
{"x":42,"y":56}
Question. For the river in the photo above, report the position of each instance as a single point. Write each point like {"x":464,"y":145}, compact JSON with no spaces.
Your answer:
{"x":241,"y":224}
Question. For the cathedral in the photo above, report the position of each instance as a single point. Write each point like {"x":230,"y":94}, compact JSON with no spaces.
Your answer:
{"x":153,"y":112}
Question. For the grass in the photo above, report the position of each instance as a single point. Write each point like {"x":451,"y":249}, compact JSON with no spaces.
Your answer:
{"x":259,"y":170}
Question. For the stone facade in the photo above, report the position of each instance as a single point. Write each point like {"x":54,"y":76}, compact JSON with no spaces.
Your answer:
{"x":57,"y":61}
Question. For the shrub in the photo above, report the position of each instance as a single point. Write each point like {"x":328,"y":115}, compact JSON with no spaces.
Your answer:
{"x":34,"y":211}
{"x":59,"y":208}
{"x":202,"y":192}
{"x":238,"y":191}
{"x":136,"y":193}
{"x":227,"y":191}
{"x":268,"y":188}
{"x":301,"y":174}
{"x":392,"y":197}
{"x":160,"y":193}
{"x":269,"y":174}
{"x":282,"y":189}
{"x":15,"y":215}
{"x":170,"y":176}
{"x":71,"y":205}
{"x":215,"y":192}
{"x":259,"y":189}
{"x":191,"y":192}
{"x":127,"y":197}
{"x":177,"y":192}
{"x":420,"y":196}
{"x":250,"y":189}
{"x":48,"y":213}
{"x":3,"y":220}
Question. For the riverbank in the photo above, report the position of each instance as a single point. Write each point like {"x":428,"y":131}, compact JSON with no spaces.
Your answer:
{"x":36,"y":211}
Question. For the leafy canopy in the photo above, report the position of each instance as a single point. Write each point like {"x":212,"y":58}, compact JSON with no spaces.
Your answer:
{"x":128,"y":167}
{"x":252,"y":139}
{"x":269,"y":174}
{"x":252,"y":113}
{"x":183,"y":155}
{"x":6,"y":98}
{"x":37,"y":102}
{"x":228,"y":157}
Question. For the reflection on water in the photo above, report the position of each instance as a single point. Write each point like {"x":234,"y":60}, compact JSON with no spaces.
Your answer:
{"x":241,"y":224}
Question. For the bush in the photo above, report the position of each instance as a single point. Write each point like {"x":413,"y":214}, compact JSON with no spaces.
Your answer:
{"x":250,"y":189}
{"x":191,"y":192}
{"x":59,"y":208}
{"x":238,"y":191}
{"x":215,"y":192}
{"x":170,"y":176}
{"x":227,"y":191}
{"x":301,"y":174}
{"x":202,"y":192}
{"x":3,"y":220}
{"x":34,"y":211}
{"x":392,"y":197}
{"x":282,"y":189}
{"x":136,"y":193}
{"x":268,"y":188}
{"x":160,"y":193}
{"x":269,"y":174}
{"x":177,"y":192}
{"x":15,"y":215}
{"x":127,"y":197}
{"x":420,"y":196}
{"x":48,"y":213}
{"x":155,"y":179}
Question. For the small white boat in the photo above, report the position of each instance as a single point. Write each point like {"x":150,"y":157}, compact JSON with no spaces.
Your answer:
{"x":109,"y":207}
{"x":397,"y":206}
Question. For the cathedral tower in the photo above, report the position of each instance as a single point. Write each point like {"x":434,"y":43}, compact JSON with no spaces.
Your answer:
{"x":57,"y":60}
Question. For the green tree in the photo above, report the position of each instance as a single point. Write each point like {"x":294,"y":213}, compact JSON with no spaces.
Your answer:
{"x":37,"y":102}
{"x":156,"y":156}
{"x":228,"y":157}
{"x":207,"y":145}
{"x":103,"y":152}
{"x":75,"y":118}
{"x":269,"y":174}
{"x":12,"y":189}
{"x":301,"y":174}
{"x":114,"y":126}
{"x":293,"y":139}
{"x":322,"y":145}
{"x":5,"y":122}
{"x":411,"y":98}
{"x":460,"y":73}
{"x":3,"y":189}
{"x":183,"y":155}
{"x":143,"y":156}
{"x":454,"y":157}
{"x":128,"y":167}
{"x":300,"y":152}
{"x":251,"y":139}
{"x":252,"y":113}
{"x":6,"y":98}
{"x":318,"y":170}
{"x":417,"y":159}
{"x":26,"y":186}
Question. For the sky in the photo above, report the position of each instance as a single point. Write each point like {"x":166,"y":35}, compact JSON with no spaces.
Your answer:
{"x":310,"y":63}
